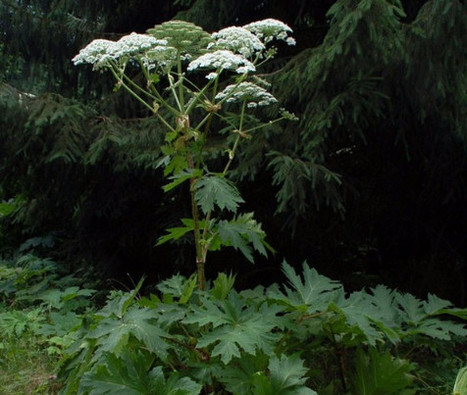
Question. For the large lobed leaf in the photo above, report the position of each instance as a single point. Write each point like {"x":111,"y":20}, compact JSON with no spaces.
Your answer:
{"x":214,"y":190}
{"x":130,"y":375}
{"x":312,"y":294}
{"x":286,"y":377}
{"x":236,"y":326}
{"x":242,"y":231}
{"x":113,"y":333}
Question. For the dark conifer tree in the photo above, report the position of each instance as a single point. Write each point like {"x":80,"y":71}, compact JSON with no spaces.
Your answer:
{"x":369,"y":185}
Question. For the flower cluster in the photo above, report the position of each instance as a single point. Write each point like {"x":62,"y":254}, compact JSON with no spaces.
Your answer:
{"x":135,"y":43}
{"x":99,"y":52}
{"x":248,"y":92}
{"x":230,"y":47}
{"x":270,"y":29}
{"x":237,"y":40}
{"x":222,"y":60}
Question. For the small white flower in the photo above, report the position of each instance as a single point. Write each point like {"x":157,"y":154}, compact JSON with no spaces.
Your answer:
{"x":134,"y":43}
{"x":269,"y":29}
{"x":212,"y":76}
{"x":98,"y":53}
{"x":224,"y":60}
{"x":253,"y":94}
{"x":237,"y":40}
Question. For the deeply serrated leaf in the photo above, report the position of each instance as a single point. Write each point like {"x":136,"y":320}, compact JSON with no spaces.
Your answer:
{"x":113,"y":333}
{"x":179,"y":287}
{"x":177,"y":232}
{"x":287,"y":376}
{"x":411,"y":308}
{"x":439,"y":329}
{"x":242,"y":231}
{"x":174,"y":385}
{"x":358,"y":311}
{"x":120,"y":376}
{"x":434,"y":304}
{"x":181,"y":177}
{"x":222,"y":285}
{"x":130,"y":375}
{"x":236,"y":326}
{"x":238,"y":376}
{"x":314,"y":293}
{"x":213,"y":190}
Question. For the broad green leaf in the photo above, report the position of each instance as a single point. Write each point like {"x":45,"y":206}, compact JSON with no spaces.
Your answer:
{"x":113,"y":333}
{"x":357,"y":310}
{"x":238,"y":375}
{"x":119,"y":302}
{"x":173,"y":164}
{"x":286,"y":377}
{"x":381,"y":374}
{"x":215,"y":190}
{"x":170,"y":313}
{"x":434,"y":304}
{"x":181,"y":177}
{"x":179,"y":287}
{"x":127,"y":375}
{"x":174,"y":385}
{"x":130,"y":375}
{"x":438,"y":329}
{"x":242,"y":231}
{"x":411,"y":308}
{"x":222,"y":286}
{"x":460,"y":385}
{"x":236,"y":326}
{"x":311,"y":295}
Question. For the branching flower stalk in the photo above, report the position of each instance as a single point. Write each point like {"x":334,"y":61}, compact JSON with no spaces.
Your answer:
{"x":177,"y":52}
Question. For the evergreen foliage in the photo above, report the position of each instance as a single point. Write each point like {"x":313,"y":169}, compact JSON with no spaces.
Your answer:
{"x":378,"y":156}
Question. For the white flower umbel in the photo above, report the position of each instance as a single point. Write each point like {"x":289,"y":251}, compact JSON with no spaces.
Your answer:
{"x":98,"y":53}
{"x":237,"y":40}
{"x":135,"y":43}
{"x":222,"y":60}
{"x":270,"y":29}
{"x":253,"y":94}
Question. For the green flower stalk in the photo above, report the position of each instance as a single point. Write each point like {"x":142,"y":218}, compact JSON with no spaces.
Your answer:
{"x":175,"y":52}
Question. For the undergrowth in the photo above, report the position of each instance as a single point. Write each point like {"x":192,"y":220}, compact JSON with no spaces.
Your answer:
{"x":304,"y":337}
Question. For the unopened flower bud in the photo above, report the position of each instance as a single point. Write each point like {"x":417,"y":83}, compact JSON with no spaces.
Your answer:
{"x":155,"y":107}
{"x":182,"y":122}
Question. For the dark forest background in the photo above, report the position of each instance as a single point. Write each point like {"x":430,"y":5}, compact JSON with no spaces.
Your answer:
{"x":369,"y":186}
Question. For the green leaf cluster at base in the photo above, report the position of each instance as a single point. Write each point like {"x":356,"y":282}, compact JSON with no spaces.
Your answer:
{"x":305,"y":337}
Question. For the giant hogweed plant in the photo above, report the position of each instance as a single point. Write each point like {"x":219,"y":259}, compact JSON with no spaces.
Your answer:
{"x":190,"y":79}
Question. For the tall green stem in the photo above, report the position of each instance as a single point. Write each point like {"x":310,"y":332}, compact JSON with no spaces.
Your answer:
{"x":181,"y":93}
{"x":205,"y":247}
{"x":200,"y":257}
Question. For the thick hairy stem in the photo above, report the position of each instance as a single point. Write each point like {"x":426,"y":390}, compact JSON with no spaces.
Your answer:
{"x":200,"y":257}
